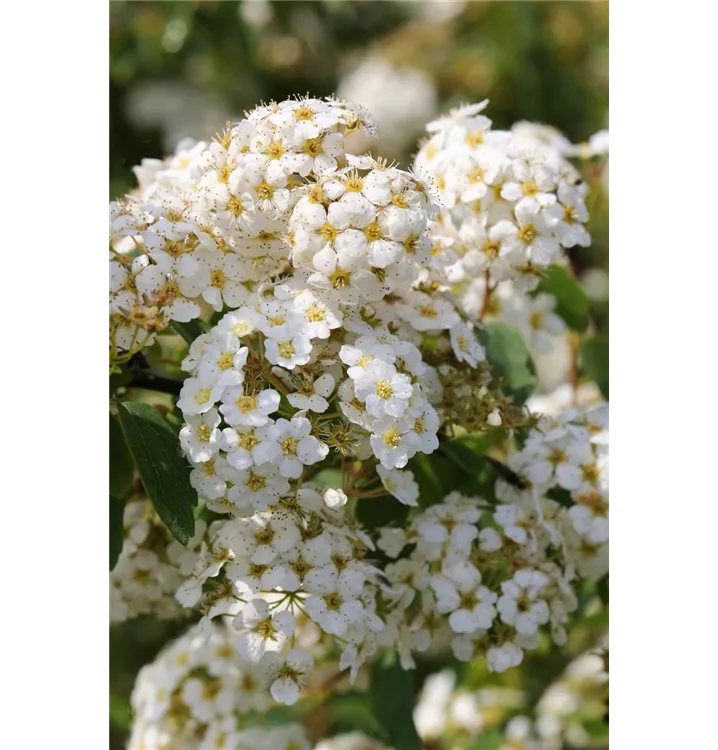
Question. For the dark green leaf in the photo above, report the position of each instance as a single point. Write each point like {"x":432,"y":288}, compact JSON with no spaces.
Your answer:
{"x":594,"y":361}
{"x":571,"y":300}
{"x":602,"y":588}
{"x":121,"y":466}
{"x":508,"y":354}
{"x":165,"y":474}
{"x":190,"y":331}
{"x":561,"y":496}
{"x":384,"y":510}
{"x":117,"y":534}
{"x":436,"y":476}
{"x":392,"y":698}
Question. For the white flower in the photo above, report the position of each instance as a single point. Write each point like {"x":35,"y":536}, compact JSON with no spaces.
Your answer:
{"x":222,"y":361}
{"x":401,"y":484}
{"x":287,"y":673}
{"x":465,"y":345}
{"x":427,"y":313}
{"x":198,"y":395}
{"x":298,"y":447}
{"x":257,"y":488}
{"x":288,"y":351}
{"x":200,"y":436}
{"x":262,"y":631}
{"x":248,"y":445}
{"x":239,"y":408}
{"x":532,"y":238}
{"x":383,"y":389}
{"x":393,"y":442}
{"x":392,"y":541}
{"x":334,"y":612}
{"x":501,"y":658}
{"x":318,"y":319}
{"x":471,"y":606}
{"x":311,"y":395}
{"x":521,"y":605}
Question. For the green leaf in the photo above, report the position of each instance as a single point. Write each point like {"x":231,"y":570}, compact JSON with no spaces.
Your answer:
{"x":191,"y":330}
{"x":602,"y":589}
{"x":508,"y":354}
{"x":594,"y":361}
{"x":121,"y":466}
{"x":392,"y":698}
{"x":165,"y":475}
{"x":571,"y":300}
{"x":328,"y":478}
{"x":487,"y":741}
{"x":117,"y":533}
{"x":436,"y":476}
{"x":384,"y":510}
{"x":467,"y":450}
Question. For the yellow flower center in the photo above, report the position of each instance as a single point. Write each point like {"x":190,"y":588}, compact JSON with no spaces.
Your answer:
{"x":528,"y":234}
{"x":246,"y":403}
{"x":428,"y":311}
{"x":204,"y":433}
{"x":328,"y":233}
{"x":248,"y":440}
{"x":286,"y":350}
{"x":225,"y":361}
{"x":202,"y":396}
{"x":340,"y":278}
{"x":313,"y":147}
{"x":289,"y":446}
{"x":234,"y":206}
{"x":384,"y":389}
{"x":265,"y":191}
{"x":373,"y":232}
{"x":392,"y":437}
{"x":315,"y":314}
{"x":255,"y":482}
{"x":217,"y":279}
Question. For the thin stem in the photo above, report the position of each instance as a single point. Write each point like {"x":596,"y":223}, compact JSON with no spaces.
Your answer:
{"x":487,"y":294}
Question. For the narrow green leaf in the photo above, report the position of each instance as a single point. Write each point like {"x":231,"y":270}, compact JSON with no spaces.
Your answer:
{"x":571,"y":300}
{"x":117,"y":511}
{"x":121,"y":466}
{"x":508,"y":354}
{"x":594,"y":361}
{"x":165,"y":475}
{"x":191,"y":330}
{"x":392,"y":698}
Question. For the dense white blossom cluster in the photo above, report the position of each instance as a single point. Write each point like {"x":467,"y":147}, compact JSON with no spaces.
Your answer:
{"x":199,"y":693}
{"x":345,"y":300}
{"x":151,"y":565}
{"x":489,"y":577}
{"x":510,"y":199}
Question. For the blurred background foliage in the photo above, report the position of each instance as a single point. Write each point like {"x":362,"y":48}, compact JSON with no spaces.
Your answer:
{"x":184,"y":68}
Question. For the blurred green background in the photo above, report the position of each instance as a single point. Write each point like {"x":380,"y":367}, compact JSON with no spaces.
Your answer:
{"x":184,"y":68}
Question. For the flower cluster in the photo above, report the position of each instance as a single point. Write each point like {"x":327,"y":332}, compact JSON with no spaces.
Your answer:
{"x":151,"y":565}
{"x":213,"y":221}
{"x":200,"y":692}
{"x":454,"y":713}
{"x":510,"y":199}
{"x":490,"y":576}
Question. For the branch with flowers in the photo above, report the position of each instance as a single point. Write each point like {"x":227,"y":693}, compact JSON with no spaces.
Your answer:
{"x":334,"y":471}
